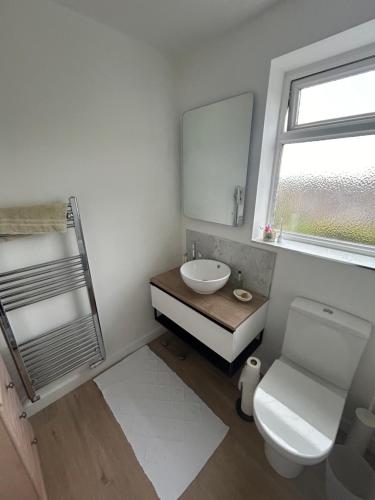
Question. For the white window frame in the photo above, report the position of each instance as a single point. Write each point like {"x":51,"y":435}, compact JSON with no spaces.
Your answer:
{"x":328,"y":129}
{"x":336,"y":73}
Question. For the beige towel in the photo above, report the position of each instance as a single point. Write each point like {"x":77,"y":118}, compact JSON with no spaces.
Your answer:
{"x":34,"y":219}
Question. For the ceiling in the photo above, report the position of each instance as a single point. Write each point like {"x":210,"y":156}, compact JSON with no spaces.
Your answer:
{"x":173,"y":26}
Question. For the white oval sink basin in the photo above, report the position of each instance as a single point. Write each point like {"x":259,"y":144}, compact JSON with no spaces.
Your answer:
{"x":204,"y":275}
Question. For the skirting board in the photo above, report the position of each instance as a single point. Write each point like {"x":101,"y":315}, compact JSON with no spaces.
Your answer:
{"x":72,"y":381}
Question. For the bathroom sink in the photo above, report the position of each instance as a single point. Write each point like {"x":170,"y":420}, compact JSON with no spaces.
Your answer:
{"x":204,"y":275}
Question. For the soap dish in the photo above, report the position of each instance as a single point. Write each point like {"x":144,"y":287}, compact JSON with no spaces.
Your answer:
{"x":242,"y":295}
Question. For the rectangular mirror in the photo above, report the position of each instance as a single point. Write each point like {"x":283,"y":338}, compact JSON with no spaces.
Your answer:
{"x":215,"y":155}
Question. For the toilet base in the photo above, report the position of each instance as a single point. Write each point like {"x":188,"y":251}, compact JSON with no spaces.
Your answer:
{"x":281,"y":464}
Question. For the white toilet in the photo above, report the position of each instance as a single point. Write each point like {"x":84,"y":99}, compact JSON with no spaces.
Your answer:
{"x":299,"y":402}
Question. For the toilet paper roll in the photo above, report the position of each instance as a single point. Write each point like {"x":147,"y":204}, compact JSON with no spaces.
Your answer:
{"x":247,"y":383}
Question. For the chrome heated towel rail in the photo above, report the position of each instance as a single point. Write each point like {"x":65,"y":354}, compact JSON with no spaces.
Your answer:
{"x":54,"y":353}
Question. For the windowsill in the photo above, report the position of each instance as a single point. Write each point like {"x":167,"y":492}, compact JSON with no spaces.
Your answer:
{"x":321,"y":252}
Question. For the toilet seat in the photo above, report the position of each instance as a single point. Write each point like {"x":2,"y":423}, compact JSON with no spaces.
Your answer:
{"x":296,"y":414}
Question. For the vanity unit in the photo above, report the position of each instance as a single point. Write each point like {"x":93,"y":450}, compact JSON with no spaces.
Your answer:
{"x":223,"y":329}
{"x":20,"y":472}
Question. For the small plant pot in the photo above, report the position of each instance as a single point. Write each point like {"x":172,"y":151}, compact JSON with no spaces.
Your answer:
{"x":269,"y":235}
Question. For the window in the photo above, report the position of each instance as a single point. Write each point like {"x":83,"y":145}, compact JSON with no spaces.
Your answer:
{"x":324,"y":186}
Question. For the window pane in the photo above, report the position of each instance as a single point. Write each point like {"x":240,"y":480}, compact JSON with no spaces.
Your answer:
{"x":327,"y":189}
{"x":353,"y":95}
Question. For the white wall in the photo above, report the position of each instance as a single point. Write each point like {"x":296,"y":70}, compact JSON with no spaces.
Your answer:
{"x":88,"y":111}
{"x":240,"y":62}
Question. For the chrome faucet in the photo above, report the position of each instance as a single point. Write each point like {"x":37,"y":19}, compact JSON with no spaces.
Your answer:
{"x":195,"y":253}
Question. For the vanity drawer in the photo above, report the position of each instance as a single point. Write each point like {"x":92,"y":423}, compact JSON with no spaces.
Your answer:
{"x":208,"y":332}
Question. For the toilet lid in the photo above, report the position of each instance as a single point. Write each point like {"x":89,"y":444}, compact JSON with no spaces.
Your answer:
{"x":296,"y":414}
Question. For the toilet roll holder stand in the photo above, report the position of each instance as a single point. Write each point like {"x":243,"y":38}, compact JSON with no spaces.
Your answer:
{"x":246,"y":382}
{"x":241,"y":414}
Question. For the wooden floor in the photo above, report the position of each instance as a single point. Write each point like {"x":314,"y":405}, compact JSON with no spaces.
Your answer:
{"x":85,"y":455}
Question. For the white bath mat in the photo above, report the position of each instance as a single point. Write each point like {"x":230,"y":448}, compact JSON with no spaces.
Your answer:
{"x":171,"y":430}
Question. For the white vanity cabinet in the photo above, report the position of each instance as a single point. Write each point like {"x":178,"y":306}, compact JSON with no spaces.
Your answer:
{"x":229,"y":328}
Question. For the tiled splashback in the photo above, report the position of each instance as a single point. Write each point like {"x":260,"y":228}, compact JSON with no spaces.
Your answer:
{"x":256,"y":264}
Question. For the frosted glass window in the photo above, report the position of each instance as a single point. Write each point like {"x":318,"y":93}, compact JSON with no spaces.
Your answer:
{"x":327,"y":189}
{"x":349,"y":96}
{"x":325,"y":172}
